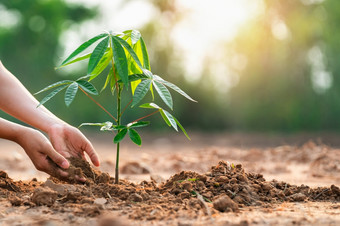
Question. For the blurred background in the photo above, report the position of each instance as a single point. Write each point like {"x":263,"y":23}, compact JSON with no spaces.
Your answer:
{"x":252,"y":65}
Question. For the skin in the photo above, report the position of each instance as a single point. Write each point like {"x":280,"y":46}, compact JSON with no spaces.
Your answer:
{"x":64,"y":140}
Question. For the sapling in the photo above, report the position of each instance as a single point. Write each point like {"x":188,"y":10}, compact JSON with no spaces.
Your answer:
{"x":125,"y":57}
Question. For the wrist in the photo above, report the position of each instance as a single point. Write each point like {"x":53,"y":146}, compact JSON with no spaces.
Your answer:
{"x":21,"y":134}
{"x":57,"y":126}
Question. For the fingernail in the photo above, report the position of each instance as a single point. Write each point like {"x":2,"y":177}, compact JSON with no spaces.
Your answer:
{"x":65,"y":164}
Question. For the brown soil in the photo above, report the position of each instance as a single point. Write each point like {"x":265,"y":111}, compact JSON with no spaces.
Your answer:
{"x":174,"y":183}
{"x":225,"y":188}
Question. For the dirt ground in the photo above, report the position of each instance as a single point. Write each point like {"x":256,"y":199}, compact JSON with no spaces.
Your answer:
{"x":215,"y":179}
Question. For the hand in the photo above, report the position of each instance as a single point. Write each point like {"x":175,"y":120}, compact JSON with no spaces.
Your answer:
{"x":69,"y":141}
{"x":38,"y":147}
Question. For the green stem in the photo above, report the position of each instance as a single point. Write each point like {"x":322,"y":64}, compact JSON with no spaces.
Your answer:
{"x":118,"y":123}
{"x":119,"y":91}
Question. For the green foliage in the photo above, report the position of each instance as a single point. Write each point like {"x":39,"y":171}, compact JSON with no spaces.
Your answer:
{"x":81,"y":48}
{"x":119,"y":50}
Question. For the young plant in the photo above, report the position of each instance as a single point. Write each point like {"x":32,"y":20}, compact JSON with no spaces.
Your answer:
{"x":126,"y":57}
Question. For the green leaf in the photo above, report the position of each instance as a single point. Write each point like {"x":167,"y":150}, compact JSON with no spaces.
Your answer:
{"x":141,"y":91}
{"x":146,"y":62}
{"x":147,"y":73}
{"x":166,"y":120}
{"x":138,"y":124}
{"x":131,"y":51}
{"x":54,"y":85}
{"x":135,"y":36}
{"x":115,"y":127}
{"x":120,"y":136}
{"x":82,"y":47}
{"x":181,"y":127}
{"x":163,"y":93}
{"x":150,"y":105}
{"x":108,"y":78}
{"x":87,"y":87}
{"x":174,"y":87}
{"x":113,"y":81}
{"x":103,"y":63}
{"x":70,"y":93}
{"x":104,"y":125}
{"x":136,"y":77}
{"x":171,"y":119}
{"x":120,"y":60}
{"x":167,"y":117}
{"x":83,"y":57}
{"x":52,"y":94}
{"x":134,"y":136}
{"x":97,"y":54}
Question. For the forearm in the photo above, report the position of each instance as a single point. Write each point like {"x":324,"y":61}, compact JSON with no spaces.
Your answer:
{"x":17,"y":101}
{"x":11,"y":131}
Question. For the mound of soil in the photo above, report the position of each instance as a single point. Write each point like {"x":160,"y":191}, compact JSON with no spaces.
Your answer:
{"x":226,"y":187}
{"x":80,"y":168}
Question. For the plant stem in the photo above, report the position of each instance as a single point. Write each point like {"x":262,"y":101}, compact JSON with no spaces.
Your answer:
{"x":119,"y":91}
{"x":98,"y":104}
{"x":126,"y":107}
{"x":146,"y":116}
{"x":118,"y":123}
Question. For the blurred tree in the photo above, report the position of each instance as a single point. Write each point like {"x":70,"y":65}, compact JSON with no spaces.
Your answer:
{"x":29,"y":39}
{"x":289,"y":81}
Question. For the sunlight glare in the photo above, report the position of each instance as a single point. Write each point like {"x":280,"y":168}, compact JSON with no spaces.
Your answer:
{"x":206,"y":25}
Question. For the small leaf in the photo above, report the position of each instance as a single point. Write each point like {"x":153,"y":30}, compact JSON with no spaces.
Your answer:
{"x":171,"y":119}
{"x":113,"y":81}
{"x":174,"y":87}
{"x":87,"y":87}
{"x":135,"y":77}
{"x":150,"y":105}
{"x":97,"y":54}
{"x":103,"y":63}
{"x":163,"y":93}
{"x":54,"y":85}
{"x":138,"y":124}
{"x":131,"y":51}
{"x":80,"y":58}
{"x":134,"y":136}
{"x":134,"y":85}
{"x":135,"y":36}
{"x":146,"y":62}
{"x":166,"y":120}
{"x":104,"y":125}
{"x":182,"y":128}
{"x":147,"y":73}
{"x":141,"y":91}
{"x":115,"y":127}
{"x":120,"y":136}
{"x":108,"y":78}
{"x":82,"y":47}
{"x":120,"y":60}
{"x":52,"y":94}
{"x":70,"y":93}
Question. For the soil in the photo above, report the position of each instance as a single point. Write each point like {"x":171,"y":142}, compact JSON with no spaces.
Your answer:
{"x":226,"y":193}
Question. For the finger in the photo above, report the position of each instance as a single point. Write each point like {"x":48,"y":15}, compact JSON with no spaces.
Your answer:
{"x":48,"y":166}
{"x":58,"y":158}
{"x":92,"y":154}
{"x":80,"y":178}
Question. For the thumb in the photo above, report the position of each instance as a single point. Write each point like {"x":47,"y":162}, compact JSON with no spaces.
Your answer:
{"x":58,"y":159}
